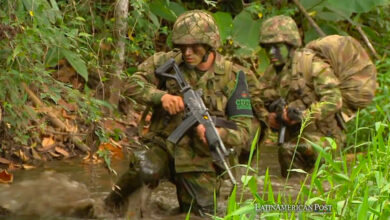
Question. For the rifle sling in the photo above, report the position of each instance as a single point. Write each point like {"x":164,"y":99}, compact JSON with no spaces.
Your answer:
{"x":221,"y":122}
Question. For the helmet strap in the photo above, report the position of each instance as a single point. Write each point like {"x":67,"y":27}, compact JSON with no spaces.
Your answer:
{"x":206,"y":56}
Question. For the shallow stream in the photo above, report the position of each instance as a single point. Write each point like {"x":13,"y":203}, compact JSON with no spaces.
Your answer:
{"x":66,"y":189}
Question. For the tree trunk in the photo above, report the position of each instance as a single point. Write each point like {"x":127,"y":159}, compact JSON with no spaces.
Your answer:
{"x":121,"y":14}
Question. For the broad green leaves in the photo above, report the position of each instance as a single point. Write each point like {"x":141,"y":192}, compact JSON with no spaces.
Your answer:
{"x":246,"y":30}
{"x":358,"y":6}
{"x":336,"y":10}
{"x":225,"y":24}
{"x":162,"y":9}
{"x":76,"y":62}
{"x":55,"y":54}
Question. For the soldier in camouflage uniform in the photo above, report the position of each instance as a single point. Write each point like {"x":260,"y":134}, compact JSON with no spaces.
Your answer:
{"x":318,"y":99}
{"x":188,"y":164}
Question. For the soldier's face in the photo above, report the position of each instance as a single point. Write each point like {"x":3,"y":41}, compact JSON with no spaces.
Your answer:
{"x":278,"y":53}
{"x":193,"y":53}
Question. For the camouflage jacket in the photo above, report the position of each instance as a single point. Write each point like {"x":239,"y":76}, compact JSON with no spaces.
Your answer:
{"x":319,"y":97}
{"x":217,"y":85}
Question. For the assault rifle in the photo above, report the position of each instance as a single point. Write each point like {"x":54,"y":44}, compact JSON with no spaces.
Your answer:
{"x":196,"y":112}
{"x":278,"y":107}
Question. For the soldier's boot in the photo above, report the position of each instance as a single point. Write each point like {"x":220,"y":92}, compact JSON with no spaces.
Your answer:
{"x":303,"y":159}
{"x":148,"y":167}
{"x":195,"y":192}
{"x":116,"y":202}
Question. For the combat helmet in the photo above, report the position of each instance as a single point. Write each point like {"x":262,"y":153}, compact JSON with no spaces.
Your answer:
{"x":196,"y":27}
{"x":280,"y":29}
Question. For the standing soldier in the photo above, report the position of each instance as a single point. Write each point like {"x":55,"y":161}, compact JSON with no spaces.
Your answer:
{"x":285,"y":88}
{"x":187,"y":164}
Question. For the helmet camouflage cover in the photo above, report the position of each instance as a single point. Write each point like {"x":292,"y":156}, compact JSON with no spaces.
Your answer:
{"x":196,"y":27}
{"x":280,"y":29}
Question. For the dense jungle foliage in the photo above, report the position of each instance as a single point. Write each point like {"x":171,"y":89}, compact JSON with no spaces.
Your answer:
{"x":66,"y":53}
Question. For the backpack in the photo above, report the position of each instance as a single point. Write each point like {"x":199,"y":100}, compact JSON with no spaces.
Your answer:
{"x":350,"y":63}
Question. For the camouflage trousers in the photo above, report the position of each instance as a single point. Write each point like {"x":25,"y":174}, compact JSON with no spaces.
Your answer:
{"x":302,"y":155}
{"x":194,"y":189}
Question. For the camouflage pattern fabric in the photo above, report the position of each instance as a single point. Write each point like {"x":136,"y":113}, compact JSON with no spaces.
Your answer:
{"x":149,"y":167}
{"x":280,"y":29}
{"x":196,"y":27}
{"x":217,"y":84}
{"x":197,"y":188}
{"x":191,"y":159}
{"x":353,"y":67}
{"x":320,"y":99}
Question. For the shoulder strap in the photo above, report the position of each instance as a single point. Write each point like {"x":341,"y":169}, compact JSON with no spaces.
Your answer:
{"x":227,"y":70}
{"x":302,"y":63}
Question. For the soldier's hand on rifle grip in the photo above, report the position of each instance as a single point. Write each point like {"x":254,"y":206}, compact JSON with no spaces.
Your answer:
{"x":272,"y":120}
{"x":288,"y":120}
{"x":172,"y":104}
{"x":201,"y":132}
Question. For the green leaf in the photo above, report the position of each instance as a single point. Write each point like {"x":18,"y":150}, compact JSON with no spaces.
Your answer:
{"x":53,"y":56}
{"x":353,"y":6}
{"x":363,"y":208}
{"x":160,"y":8}
{"x":54,"y":4}
{"x":246,"y":30}
{"x":242,"y":211}
{"x":232,"y":201}
{"x":86,"y":35}
{"x":253,"y":186}
{"x":177,"y":8}
{"x":225,"y":24}
{"x":76,"y":62}
{"x":329,"y":16}
{"x":332,"y":142}
{"x":154,"y":20}
{"x":298,"y":171}
{"x":386,"y":188}
{"x":308,"y":4}
{"x":329,"y":29}
{"x":342,"y":177}
{"x":313,"y":200}
{"x":245,"y":179}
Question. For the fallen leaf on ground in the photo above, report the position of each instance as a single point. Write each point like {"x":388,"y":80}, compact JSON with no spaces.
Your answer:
{"x":6,"y":177}
{"x":21,"y":155}
{"x":28,"y":167}
{"x":112,"y":125}
{"x":4,"y":161}
{"x":66,"y":115}
{"x":116,"y":151}
{"x":35,"y":155}
{"x":69,"y":127}
{"x":68,"y":106}
{"x":54,"y":154}
{"x":92,"y":159}
{"x":62,"y":151}
{"x":47,"y":143}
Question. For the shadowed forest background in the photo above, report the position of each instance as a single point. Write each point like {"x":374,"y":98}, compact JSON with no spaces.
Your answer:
{"x":63,"y":62}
